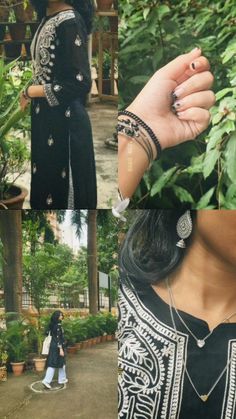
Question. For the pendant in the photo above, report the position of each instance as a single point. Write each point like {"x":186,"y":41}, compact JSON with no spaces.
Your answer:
{"x":200,"y":343}
{"x":204,"y":397}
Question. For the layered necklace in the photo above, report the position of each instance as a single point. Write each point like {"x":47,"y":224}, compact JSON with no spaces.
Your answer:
{"x":203,"y":397}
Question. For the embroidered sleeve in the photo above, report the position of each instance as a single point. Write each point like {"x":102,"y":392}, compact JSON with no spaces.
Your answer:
{"x":74,"y":79}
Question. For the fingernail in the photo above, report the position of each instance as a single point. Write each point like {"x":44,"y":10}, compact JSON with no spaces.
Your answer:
{"x":178,"y":92}
{"x":195,"y":65}
{"x":177,"y":104}
{"x":173,"y":95}
{"x":195,"y":49}
{"x":173,"y":109}
{"x":180,"y":114}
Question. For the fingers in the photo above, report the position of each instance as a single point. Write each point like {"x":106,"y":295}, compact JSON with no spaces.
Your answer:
{"x":196,"y":83}
{"x":203,"y":100}
{"x":179,"y":65}
{"x":196,"y":66}
{"x":198,"y":115}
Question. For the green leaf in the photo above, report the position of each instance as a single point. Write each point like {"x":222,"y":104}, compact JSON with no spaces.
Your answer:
{"x":146,"y":12}
{"x":162,"y":181}
{"x":182,"y":194}
{"x":210,"y":161}
{"x":205,"y":199}
{"x":223,"y":92}
{"x":230,"y":157}
{"x":163,"y":10}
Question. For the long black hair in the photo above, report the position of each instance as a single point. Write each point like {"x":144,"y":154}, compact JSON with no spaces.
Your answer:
{"x":54,"y":319}
{"x":84,"y":7}
{"x":149,"y":252}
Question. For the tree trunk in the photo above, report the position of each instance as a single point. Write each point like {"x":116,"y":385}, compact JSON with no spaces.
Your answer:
{"x":92,"y":261}
{"x":11,"y":237}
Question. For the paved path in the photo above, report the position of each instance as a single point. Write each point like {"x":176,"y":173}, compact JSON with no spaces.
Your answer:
{"x":90,"y":394}
{"x":103,"y":118}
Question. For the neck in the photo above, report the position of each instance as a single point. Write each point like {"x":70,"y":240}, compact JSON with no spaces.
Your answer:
{"x":205,"y":283}
{"x":55,"y":7}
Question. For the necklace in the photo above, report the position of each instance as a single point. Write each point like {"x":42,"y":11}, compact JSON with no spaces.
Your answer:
{"x":203,"y":397}
{"x":200,"y":342}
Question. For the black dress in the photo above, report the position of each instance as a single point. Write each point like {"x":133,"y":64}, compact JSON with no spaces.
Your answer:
{"x":152,"y":380}
{"x":54,"y":359}
{"x":62,"y":144}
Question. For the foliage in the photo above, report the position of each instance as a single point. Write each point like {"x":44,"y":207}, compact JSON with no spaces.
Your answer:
{"x":13,"y":148}
{"x":16,"y":340}
{"x":199,"y":174}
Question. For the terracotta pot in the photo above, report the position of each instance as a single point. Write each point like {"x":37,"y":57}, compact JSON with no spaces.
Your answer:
{"x":39,"y":364}
{"x":99,"y":339}
{"x":94,"y":341}
{"x":78,"y":345}
{"x":17,"y":31}
{"x":109,"y":338}
{"x":71,"y":349}
{"x":17,"y":368}
{"x":16,"y":199}
{"x":113,"y":23}
{"x":3,"y":374}
{"x":104,"y":338}
{"x":104,"y":4}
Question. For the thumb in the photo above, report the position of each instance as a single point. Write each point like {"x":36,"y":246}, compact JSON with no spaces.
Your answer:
{"x":179,"y":65}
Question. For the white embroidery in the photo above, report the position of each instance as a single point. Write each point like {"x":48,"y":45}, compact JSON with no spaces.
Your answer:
{"x":50,"y":96}
{"x":78,"y":41}
{"x":37,"y":109}
{"x":67,"y":113}
{"x":151,"y":383}
{"x":80,"y":77}
{"x":50,"y":141}
{"x":49,"y":200}
{"x":46,"y":38}
{"x":229,"y":402}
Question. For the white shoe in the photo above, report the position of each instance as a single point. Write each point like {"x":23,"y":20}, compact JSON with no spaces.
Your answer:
{"x":47,"y":385}
{"x":64,"y":381}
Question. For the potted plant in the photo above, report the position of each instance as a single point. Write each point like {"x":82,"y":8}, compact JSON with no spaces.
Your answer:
{"x":104,"y":5}
{"x":111,"y":326}
{"x":13,"y":150}
{"x":36,"y":337}
{"x":3,"y":357}
{"x":16,"y":338}
{"x":69,"y":334}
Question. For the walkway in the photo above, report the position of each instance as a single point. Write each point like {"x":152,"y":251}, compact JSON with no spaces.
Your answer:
{"x":103,"y":118}
{"x":90,"y":394}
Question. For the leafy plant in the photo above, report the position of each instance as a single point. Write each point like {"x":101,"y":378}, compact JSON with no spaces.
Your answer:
{"x":16,"y":338}
{"x":201,"y":173}
{"x":13,"y":148}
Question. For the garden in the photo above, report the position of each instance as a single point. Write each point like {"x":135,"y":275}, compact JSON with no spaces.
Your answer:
{"x":18,"y":25}
{"x":201,"y":173}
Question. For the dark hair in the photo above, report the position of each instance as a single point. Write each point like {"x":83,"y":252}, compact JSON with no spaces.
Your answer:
{"x":149,"y":252}
{"x":84,"y":7}
{"x":54,"y":319}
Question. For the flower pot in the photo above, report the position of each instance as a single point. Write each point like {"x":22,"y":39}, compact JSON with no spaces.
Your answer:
{"x":99,"y":339}
{"x":71,"y":349}
{"x":94,"y":341}
{"x":39,"y":364}
{"x":12,"y":50}
{"x":109,"y":338}
{"x":104,"y":338}
{"x":113,"y":23}
{"x":15,"y":198}
{"x":3,"y":374}
{"x":104,"y":4}
{"x":78,"y":345}
{"x":17,"y":368}
{"x":17,"y":31}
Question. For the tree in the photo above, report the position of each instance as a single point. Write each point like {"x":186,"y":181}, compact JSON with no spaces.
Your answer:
{"x":92,"y":261}
{"x":11,"y":237}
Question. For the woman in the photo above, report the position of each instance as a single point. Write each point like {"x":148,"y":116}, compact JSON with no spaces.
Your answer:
{"x":62,"y":146}
{"x":56,"y":356}
{"x":172,"y":108}
{"x":177,"y":329}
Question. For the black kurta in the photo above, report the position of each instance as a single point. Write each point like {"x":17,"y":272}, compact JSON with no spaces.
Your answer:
{"x":61,"y":131}
{"x":152,"y":379}
{"x":54,"y":359}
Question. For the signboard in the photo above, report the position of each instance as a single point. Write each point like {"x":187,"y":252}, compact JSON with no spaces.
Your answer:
{"x":103,"y":280}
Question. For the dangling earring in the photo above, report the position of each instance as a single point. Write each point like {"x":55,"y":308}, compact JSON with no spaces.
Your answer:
{"x":184,"y":228}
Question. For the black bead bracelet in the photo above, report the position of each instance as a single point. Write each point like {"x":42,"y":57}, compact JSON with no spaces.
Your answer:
{"x":146,"y":127}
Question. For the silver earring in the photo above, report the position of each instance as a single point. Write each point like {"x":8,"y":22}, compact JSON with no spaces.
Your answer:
{"x":184,"y":228}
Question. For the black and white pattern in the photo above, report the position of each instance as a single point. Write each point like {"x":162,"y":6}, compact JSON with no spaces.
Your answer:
{"x":151,"y":371}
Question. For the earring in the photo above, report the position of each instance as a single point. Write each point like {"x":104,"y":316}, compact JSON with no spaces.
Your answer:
{"x":184,"y":228}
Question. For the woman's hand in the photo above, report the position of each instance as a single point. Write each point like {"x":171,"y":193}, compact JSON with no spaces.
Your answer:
{"x":62,"y":352}
{"x":190,"y":80}
{"x":23,"y":102}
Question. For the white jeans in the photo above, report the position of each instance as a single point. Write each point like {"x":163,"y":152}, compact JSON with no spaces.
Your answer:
{"x":50,"y":374}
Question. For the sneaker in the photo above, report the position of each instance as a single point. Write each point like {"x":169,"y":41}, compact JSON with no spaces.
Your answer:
{"x":64,"y":381}
{"x":47,"y":385}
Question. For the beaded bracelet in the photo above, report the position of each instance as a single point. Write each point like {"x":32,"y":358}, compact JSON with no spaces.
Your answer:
{"x":146,"y":128}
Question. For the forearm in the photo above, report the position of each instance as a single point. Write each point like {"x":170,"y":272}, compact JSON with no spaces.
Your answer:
{"x":133,"y":162}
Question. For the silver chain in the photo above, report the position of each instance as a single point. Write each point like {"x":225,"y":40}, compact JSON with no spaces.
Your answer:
{"x":203,"y":397}
{"x":200,"y":342}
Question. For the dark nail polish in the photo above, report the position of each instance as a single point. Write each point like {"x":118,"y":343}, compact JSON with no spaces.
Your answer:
{"x":193,"y":66}
{"x":177,"y":104}
{"x":173,"y":109}
{"x":174,"y":97}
